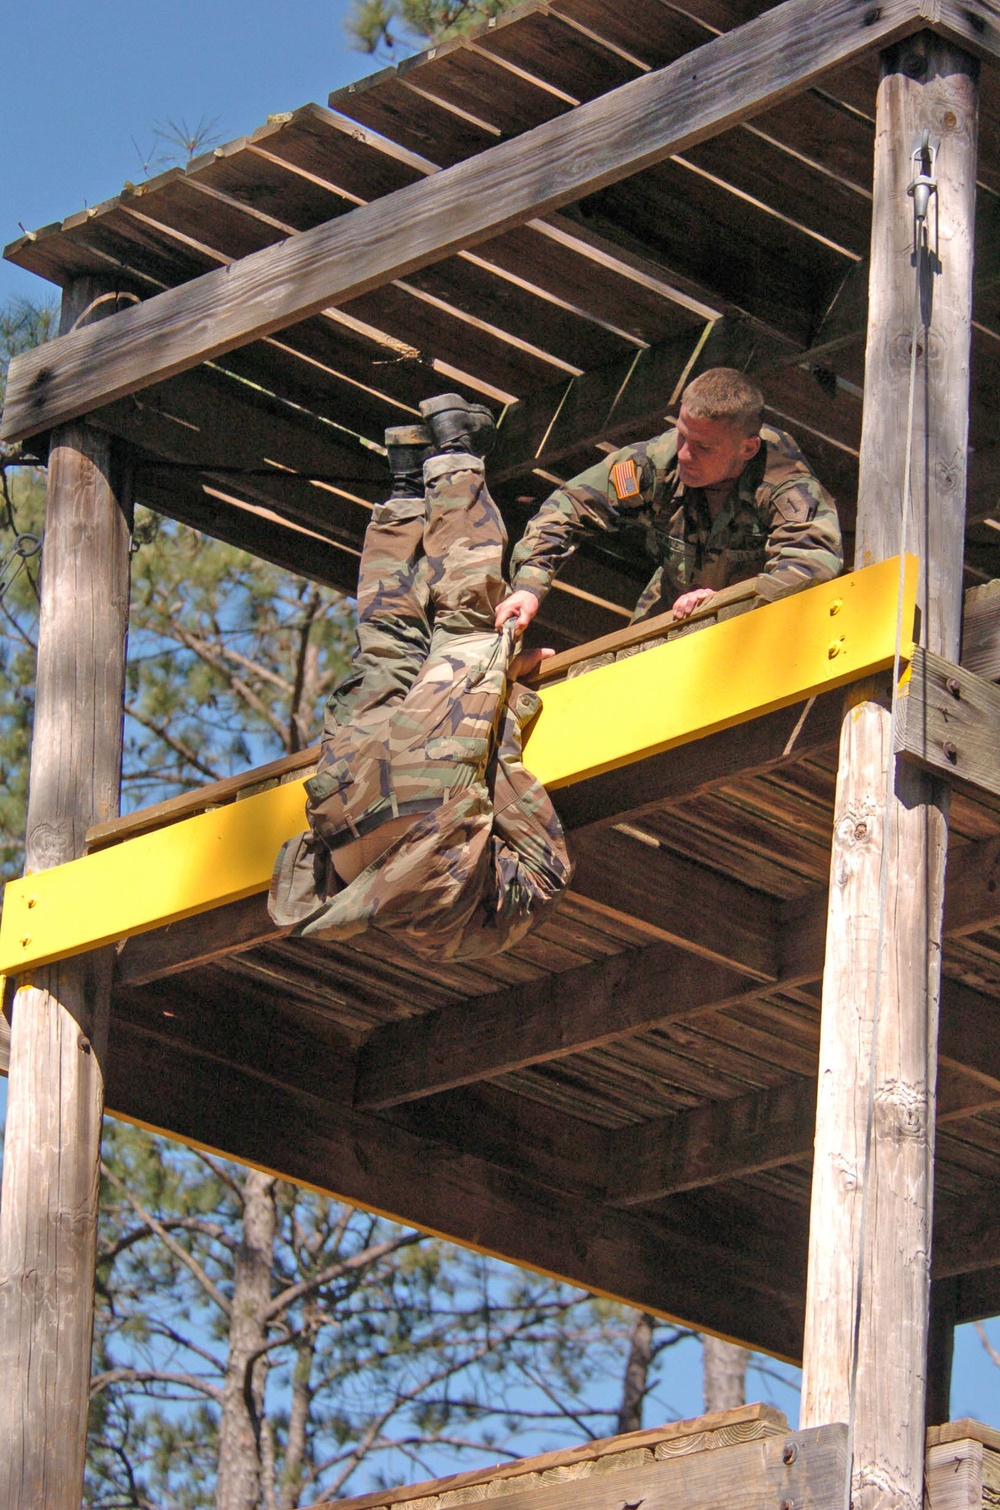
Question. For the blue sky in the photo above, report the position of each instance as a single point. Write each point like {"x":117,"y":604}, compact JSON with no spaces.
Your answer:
{"x":81,"y":81}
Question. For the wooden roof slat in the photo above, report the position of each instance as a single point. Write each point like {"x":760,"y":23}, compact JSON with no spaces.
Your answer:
{"x":647,"y":29}
{"x":267,"y":538}
{"x":559,"y":54}
{"x":642,"y":121}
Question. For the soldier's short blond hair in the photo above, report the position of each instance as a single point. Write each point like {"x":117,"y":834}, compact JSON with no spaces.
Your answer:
{"x":726,"y":394}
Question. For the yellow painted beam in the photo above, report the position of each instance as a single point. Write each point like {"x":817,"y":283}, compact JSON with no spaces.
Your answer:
{"x":684,"y":690}
{"x":742,"y":668}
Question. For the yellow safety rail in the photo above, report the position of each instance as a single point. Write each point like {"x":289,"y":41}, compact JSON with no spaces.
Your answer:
{"x":691,"y":687}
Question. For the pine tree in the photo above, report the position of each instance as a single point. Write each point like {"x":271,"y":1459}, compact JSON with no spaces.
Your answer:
{"x":397,"y":27}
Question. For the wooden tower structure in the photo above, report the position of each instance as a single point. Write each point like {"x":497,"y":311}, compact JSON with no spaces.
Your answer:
{"x":749,"y":1074}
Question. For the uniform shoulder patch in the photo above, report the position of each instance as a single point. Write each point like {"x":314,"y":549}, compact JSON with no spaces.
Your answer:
{"x":625,"y":479}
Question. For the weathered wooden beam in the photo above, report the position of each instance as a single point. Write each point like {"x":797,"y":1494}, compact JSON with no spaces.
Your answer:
{"x":971,"y":25}
{"x":874,"y":1141}
{"x":981,"y":631}
{"x":642,"y":122}
{"x":317,"y":1140}
{"x":721,"y":1140}
{"x":950,"y":722}
{"x":543,"y":1020}
{"x":59,"y":1032}
{"x":225,"y":515}
{"x":624,"y":874}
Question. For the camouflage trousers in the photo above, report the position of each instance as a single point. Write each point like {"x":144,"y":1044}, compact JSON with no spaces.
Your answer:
{"x":426,"y":728}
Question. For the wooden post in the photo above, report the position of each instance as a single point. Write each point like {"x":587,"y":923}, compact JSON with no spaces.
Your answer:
{"x":876,"y":1252}
{"x":48,"y":1219}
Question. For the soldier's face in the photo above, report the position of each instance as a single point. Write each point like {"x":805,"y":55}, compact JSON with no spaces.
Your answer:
{"x":710,"y":451}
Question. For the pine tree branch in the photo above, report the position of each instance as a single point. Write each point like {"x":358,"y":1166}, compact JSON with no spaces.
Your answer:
{"x":175,"y":1248}
{"x":104,"y":1381}
{"x":350,"y":1265}
{"x":991,"y":1351}
{"x":172,"y":742}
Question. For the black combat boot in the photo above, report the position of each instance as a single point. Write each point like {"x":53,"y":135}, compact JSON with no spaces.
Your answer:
{"x":457,"y":425}
{"x":408,"y":447}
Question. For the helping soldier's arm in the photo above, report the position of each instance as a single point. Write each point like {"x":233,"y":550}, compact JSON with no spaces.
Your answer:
{"x":803,"y":544}
{"x":587,"y":502}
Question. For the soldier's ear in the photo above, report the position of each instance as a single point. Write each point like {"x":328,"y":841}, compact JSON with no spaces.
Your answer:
{"x":751,"y":446}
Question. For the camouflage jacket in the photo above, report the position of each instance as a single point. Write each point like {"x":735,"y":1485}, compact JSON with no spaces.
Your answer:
{"x":778,"y":521}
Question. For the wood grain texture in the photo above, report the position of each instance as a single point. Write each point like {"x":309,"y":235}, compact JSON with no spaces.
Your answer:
{"x":741,"y":1476}
{"x":561,"y":1014}
{"x":608,"y":1455}
{"x":950,"y":722}
{"x":719,"y":1141}
{"x":48,"y":1220}
{"x":981,"y":630}
{"x":955,"y":1475}
{"x":893,"y":954}
{"x":642,"y":122}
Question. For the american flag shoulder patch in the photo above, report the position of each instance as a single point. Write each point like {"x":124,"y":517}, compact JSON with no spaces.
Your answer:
{"x":625,"y":479}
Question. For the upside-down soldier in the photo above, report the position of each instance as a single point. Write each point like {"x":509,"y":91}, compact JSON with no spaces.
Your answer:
{"x":424,"y":822}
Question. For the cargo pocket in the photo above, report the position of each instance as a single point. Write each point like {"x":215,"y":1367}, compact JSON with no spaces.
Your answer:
{"x":446,"y":764}
{"x":327,"y":797}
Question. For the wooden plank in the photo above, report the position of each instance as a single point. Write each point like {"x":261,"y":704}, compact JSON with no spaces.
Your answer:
{"x":610,"y":403}
{"x":981,"y":630}
{"x":804,"y":1468}
{"x":559,"y":1151}
{"x":606,"y":718}
{"x":702,"y":1433}
{"x":964,"y":1430}
{"x":318,"y":1141}
{"x":59,"y":1031}
{"x":884,"y":926}
{"x":626,"y":873}
{"x":950,"y":723}
{"x":643,"y":121}
{"x":558,"y":1015}
{"x":721,"y":1140}
{"x":972,"y":26}
{"x":954,"y":1475}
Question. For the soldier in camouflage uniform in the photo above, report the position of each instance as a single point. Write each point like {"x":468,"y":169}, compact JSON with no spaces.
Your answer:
{"x":423,"y":819}
{"x":720,"y":497}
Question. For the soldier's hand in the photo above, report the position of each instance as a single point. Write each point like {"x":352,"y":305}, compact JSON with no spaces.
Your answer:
{"x":526,"y":662}
{"x":520,"y":606}
{"x":688,"y":601}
